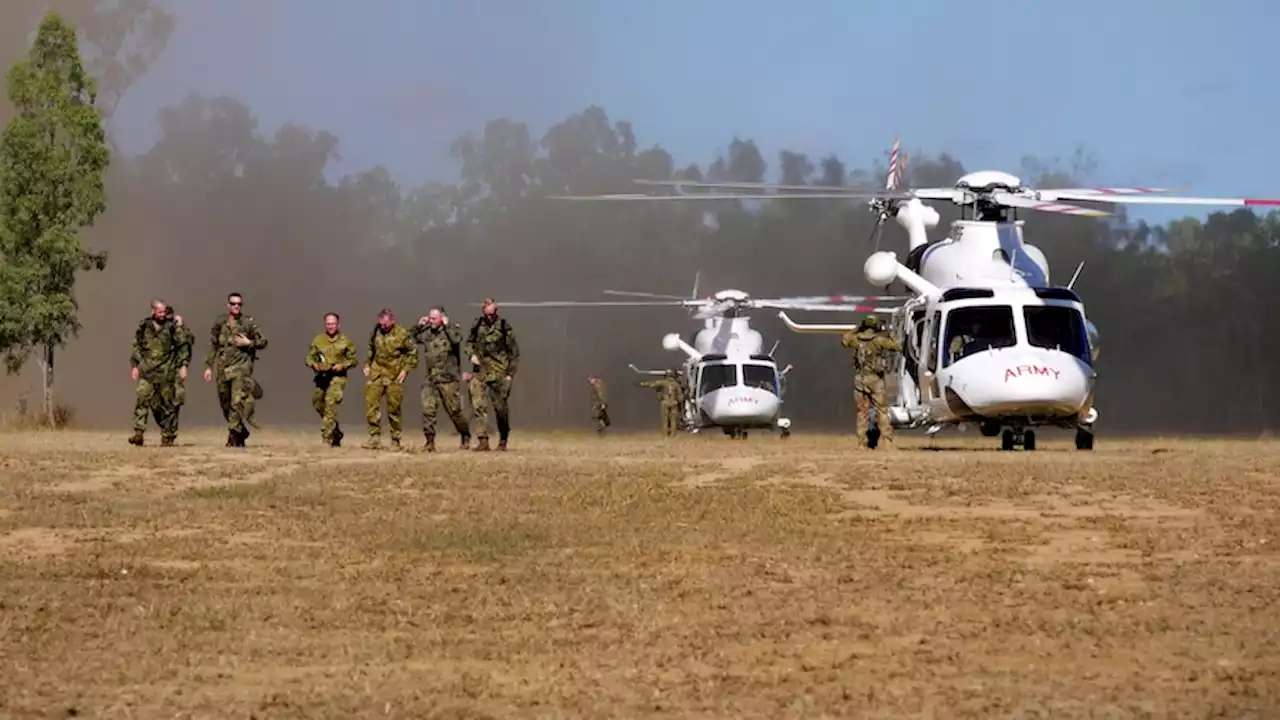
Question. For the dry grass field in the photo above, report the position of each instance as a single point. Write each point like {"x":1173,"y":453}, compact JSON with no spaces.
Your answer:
{"x":629,"y":577}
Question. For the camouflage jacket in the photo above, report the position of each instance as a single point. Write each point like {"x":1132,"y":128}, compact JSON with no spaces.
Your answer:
{"x":328,"y":351}
{"x":157,"y":350}
{"x":669,"y":390}
{"x":186,"y":346}
{"x":391,"y":352}
{"x":440,"y":350}
{"x":494,"y":345}
{"x":226,"y":358}
{"x":598,"y":396}
{"x":869,"y":349}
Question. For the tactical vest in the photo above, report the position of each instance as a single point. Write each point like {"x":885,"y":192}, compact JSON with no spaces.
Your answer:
{"x":868,"y":357}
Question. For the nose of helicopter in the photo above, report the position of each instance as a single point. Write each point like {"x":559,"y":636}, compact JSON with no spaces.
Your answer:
{"x":1021,"y":381}
{"x":741,"y":405}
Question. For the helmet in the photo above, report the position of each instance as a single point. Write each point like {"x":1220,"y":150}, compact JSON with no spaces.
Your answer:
{"x":871,"y":321}
{"x":671,"y":374}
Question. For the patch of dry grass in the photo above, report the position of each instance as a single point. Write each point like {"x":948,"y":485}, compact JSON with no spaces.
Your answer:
{"x":575,"y":576}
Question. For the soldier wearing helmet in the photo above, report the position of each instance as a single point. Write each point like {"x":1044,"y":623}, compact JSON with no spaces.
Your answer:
{"x":870,"y":345}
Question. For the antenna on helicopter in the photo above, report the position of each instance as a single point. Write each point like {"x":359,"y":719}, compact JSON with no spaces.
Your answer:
{"x":1076,"y":276}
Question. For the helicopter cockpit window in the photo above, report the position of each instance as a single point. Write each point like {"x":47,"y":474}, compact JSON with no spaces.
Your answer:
{"x":1057,"y":328}
{"x":763,"y":377}
{"x":973,"y":329}
{"x":715,"y":377}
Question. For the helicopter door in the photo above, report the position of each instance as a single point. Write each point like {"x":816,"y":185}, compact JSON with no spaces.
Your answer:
{"x":928,"y":378}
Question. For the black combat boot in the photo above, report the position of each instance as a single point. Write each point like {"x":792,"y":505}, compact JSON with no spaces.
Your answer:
{"x":482,"y":445}
{"x":466,"y":441}
{"x":430,"y":445}
{"x":337,"y":436}
{"x":136,"y":438}
{"x":504,"y":431}
{"x":167,"y":442}
{"x":232,"y":438}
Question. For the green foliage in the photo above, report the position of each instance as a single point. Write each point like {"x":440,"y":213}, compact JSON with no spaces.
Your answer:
{"x":53,"y":156}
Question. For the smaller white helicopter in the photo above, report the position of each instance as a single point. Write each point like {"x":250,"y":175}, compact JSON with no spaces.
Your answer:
{"x":731,"y":382}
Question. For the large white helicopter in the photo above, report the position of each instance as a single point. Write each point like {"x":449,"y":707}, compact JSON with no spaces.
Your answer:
{"x":732,"y":383}
{"x":1023,"y":348}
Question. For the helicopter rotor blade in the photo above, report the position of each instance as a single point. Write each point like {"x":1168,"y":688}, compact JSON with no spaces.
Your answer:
{"x":1017,"y":201}
{"x":1161,"y":200}
{"x":606,"y":303}
{"x":629,"y":293}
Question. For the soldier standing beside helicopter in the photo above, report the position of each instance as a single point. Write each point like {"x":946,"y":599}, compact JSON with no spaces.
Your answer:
{"x":599,"y":403}
{"x":870,"y":344}
{"x":670,"y":398}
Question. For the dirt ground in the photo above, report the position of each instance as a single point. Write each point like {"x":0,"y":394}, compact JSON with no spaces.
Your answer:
{"x":627,"y":577}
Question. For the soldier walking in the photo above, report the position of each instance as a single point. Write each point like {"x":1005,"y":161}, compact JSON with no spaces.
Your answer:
{"x":599,"y":404}
{"x":392,"y":354}
{"x":670,"y":398}
{"x":441,"y":344}
{"x":495,"y":357}
{"x":870,"y":345}
{"x":188,"y":340}
{"x":330,"y":356}
{"x":234,"y":342}
{"x":159,"y":357}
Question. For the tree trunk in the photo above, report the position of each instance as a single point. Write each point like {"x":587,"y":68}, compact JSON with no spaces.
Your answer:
{"x":46,"y":372}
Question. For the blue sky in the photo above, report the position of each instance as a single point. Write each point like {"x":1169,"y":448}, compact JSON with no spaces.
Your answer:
{"x":1164,"y":93}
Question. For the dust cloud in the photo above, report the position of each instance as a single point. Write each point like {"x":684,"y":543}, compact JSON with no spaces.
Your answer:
{"x":219,"y":201}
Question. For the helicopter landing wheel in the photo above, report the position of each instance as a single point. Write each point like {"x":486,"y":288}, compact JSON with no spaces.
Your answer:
{"x":1011,"y":439}
{"x":1084,"y":438}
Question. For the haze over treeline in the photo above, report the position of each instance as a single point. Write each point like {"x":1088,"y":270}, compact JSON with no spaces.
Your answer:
{"x":221,"y":204}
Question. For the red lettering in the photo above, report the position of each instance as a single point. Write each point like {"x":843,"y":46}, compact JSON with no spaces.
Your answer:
{"x":1019,"y":371}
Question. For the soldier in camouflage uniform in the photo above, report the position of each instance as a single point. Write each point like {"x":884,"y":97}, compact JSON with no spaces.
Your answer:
{"x":441,"y":344}
{"x":670,"y":399}
{"x":599,"y":404}
{"x":234,"y":342}
{"x":158,"y":358}
{"x":495,"y":357}
{"x":870,"y":345}
{"x":187,"y":338}
{"x":330,"y":355}
{"x":391,"y":355}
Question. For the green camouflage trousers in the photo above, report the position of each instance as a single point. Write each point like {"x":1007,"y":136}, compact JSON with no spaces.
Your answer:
{"x":869,"y":393}
{"x":155,"y":396}
{"x":600,"y":414}
{"x":236,"y":395}
{"x":325,"y":399}
{"x":375,"y":387}
{"x":483,"y":394}
{"x":670,"y":418}
{"x":448,"y":393}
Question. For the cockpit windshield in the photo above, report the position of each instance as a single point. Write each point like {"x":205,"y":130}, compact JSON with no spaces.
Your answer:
{"x":973,"y":329}
{"x":1057,"y":328}
{"x":763,"y":377}
{"x":715,"y":377}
